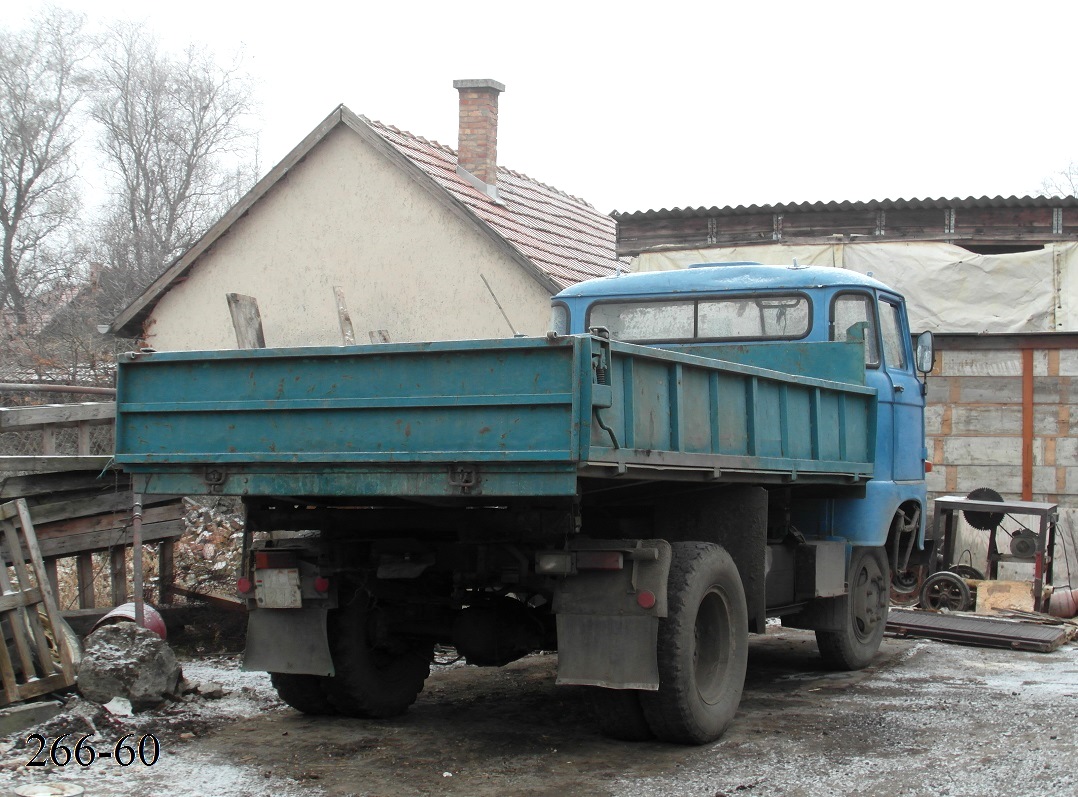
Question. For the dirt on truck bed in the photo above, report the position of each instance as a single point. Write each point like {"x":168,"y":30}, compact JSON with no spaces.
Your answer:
{"x":926,"y":718}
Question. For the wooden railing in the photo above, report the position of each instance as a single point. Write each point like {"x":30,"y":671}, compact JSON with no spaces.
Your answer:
{"x":49,"y":420}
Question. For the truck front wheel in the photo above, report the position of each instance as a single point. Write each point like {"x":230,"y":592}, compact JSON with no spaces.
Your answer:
{"x":702,"y":649}
{"x":863,"y":611}
{"x":372,"y":680}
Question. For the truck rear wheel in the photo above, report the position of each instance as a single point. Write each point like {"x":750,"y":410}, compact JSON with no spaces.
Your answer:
{"x":304,"y":693}
{"x":372,"y":681}
{"x":703,"y":647}
{"x":864,"y":610}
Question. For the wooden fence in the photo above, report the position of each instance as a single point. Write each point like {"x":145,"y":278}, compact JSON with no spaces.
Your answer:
{"x":80,"y":507}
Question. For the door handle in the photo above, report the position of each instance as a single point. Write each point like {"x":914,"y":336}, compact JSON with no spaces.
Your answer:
{"x":899,"y":388}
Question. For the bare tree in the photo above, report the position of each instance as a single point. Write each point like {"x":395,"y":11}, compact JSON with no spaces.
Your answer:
{"x":41,"y":83}
{"x":175,"y":138}
{"x":1062,"y":183}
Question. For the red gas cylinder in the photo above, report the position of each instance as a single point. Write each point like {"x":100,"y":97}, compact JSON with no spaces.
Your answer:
{"x":151,"y":618}
{"x":1063,"y":603}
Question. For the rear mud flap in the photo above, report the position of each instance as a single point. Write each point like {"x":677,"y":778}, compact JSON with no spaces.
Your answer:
{"x":289,"y":641}
{"x":611,"y":651}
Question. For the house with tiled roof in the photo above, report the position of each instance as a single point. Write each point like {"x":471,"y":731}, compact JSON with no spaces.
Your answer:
{"x":421,"y":241}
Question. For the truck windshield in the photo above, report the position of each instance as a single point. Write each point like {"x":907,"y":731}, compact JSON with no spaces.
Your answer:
{"x":771,"y":317}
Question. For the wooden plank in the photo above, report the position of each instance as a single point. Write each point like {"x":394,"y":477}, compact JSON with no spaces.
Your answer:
{"x":52,"y":575}
{"x":60,"y":415}
{"x":118,"y":574}
{"x":246,"y":320}
{"x":43,"y":686}
{"x":46,"y":464}
{"x":7,"y":677}
{"x":52,"y":610}
{"x":22,"y":576}
{"x":112,"y":520}
{"x":214,"y":599}
{"x":80,"y":507}
{"x":12,"y":600}
{"x":18,"y":630}
{"x":84,"y":571}
{"x":348,"y":334}
{"x":166,"y":571}
{"x":104,"y":540}
{"x":64,"y":481}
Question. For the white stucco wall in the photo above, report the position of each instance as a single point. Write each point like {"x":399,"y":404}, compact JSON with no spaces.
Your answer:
{"x":347,"y":216}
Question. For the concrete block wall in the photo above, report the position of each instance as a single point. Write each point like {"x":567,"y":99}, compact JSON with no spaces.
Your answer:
{"x":974,"y":430}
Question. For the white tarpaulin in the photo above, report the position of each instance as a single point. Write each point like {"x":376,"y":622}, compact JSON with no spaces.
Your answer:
{"x":947,"y":288}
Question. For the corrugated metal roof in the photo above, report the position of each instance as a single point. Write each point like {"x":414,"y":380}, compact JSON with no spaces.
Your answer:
{"x":875,"y":204}
{"x":562,"y":235}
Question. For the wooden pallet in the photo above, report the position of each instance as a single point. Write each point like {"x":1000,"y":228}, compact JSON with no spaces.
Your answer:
{"x":35,"y":658}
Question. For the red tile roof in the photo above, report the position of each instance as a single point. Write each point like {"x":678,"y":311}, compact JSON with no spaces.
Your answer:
{"x":563,"y":236}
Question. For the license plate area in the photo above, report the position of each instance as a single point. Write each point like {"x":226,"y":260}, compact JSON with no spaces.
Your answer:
{"x":278,"y":588}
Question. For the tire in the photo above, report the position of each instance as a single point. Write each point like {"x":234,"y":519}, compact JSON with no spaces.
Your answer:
{"x":864,"y":613}
{"x":619,"y":715}
{"x":372,"y":682}
{"x":703,"y":647}
{"x":304,"y":693}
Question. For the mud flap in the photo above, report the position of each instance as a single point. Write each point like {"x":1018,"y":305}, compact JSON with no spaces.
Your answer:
{"x":606,"y":635}
{"x":615,"y":652}
{"x":289,"y":641}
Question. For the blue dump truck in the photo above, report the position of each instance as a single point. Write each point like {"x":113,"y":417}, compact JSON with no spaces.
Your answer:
{"x":684,"y":455}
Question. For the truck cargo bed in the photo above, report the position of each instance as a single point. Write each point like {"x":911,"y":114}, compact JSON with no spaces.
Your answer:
{"x":512,"y":417}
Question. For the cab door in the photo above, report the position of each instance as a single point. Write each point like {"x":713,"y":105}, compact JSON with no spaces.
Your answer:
{"x":908,"y":430}
{"x":853,"y":316}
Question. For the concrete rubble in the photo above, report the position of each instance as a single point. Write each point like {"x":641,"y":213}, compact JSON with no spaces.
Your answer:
{"x":124,"y":660}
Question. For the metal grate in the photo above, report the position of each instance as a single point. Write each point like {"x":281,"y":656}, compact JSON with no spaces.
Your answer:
{"x":978,"y":631}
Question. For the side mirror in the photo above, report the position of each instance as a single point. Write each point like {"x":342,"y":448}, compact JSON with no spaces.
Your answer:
{"x":925,"y":356}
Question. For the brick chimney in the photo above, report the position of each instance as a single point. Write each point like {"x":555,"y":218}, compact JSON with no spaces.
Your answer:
{"x":477,"y":145}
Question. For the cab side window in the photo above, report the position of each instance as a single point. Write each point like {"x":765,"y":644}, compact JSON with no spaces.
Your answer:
{"x":852,"y":318}
{"x":894,"y":349}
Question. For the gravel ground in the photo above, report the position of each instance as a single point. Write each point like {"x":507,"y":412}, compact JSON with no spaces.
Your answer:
{"x":926,"y":718}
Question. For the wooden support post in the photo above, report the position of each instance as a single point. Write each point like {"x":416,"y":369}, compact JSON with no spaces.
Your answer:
{"x":48,"y":441}
{"x":84,"y":565}
{"x":118,"y":570}
{"x":246,"y":320}
{"x":84,"y":439}
{"x":166,"y":573}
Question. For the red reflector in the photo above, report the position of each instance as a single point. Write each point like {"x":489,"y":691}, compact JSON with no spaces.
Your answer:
{"x":599,"y":560}
{"x":928,"y":466}
{"x":321,"y":584}
{"x":265,"y":560}
{"x":244,"y":585}
{"x":646,"y":598}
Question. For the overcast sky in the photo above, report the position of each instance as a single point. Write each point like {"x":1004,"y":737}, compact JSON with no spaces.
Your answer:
{"x":635,"y":106}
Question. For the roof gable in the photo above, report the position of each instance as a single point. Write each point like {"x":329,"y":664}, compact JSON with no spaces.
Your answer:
{"x":558,"y":239}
